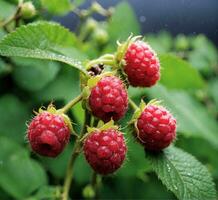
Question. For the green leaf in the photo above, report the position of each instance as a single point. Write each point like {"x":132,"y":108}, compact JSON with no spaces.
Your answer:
{"x":177,"y":73}
{"x":134,"y":165}
{"x":14,"y":115}
{"x":77,"y":3}
{"x":47,"y":193}
{"x":78,"y":109}
{"x":34,"y":74}
{"x":82,"y":165}
{"x":122,"y":23}
{"x":204,"y":59}
{"x":57,"y":7}
{"x":207,"y":153}
{"x":43,"y":40}
{"x":193,"y":119}
{"x":64,"y":87}
{"x":19,"y":175}
{"x":161,"y":42}
{"x":182,"y":174}
{"x":58,"y":165}
{"x":6,"y":9}
{"x":4,"y":68}
{"x":213,"y":90}
{"x":2,"y":33}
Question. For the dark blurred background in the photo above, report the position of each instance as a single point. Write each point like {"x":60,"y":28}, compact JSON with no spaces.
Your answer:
{"x":180,"y":16}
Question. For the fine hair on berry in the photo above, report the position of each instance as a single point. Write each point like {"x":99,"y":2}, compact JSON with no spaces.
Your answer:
{"x":141,"y":65}
{"x":156,"y":128}
{"x":108,"y":99}
{"x":48,"y":134}
{"x":105,"y":150}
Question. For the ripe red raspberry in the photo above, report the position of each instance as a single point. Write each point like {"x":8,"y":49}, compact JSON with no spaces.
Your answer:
{"x":156,"y":128}
{"x":142,"y":65}
{"x":105,"y":150}
{"x":108,"y":99}
{"x":48,"y":134}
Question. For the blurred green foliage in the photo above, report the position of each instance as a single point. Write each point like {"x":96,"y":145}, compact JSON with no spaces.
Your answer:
{"x":188,"y":87}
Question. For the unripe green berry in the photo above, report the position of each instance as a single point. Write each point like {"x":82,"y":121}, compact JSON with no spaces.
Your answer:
{"x":91,"y":24}
{"x":181,"y":42}
{"x":101,"y":36}
{"x":88,"y":192}
{"x":28,"y":10}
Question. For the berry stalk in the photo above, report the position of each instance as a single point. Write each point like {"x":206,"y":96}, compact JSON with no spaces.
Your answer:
{"x":107,"y":59}
{"x":95,"y":183}
{"x":69,"y":105}
{"x":13,"y":17}
{"x":76,"y":151}
{"x":69,"y":174}
{"x":132,"y":104}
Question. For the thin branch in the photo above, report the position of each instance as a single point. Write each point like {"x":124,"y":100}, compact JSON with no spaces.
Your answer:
{"x":71,"y":104}
{"x":132,"y":104}
{"x":76,"y":151}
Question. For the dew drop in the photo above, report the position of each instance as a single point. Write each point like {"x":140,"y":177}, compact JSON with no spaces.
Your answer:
{"x":168,"y":168}
{"x":142,"y":19}
{"x":175,"y":187}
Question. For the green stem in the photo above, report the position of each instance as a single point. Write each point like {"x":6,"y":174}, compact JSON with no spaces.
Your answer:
{"x":76,"y":151}
{"x":95,"y":122}
{"x":69,"y":105}
{"x":107,"y":59}
{"x":132,"y":104}
{"x":13,"y":17}
{"x":69,"y":172}
{"x":95,"y":184}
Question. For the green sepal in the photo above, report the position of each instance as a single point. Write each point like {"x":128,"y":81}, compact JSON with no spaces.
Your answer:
{"x":100,"y":127}
{"x":122,"y":48}
{"x":108,"y":125}
{"x":86,"y":92}
{"x":103,"y":127}
{"x":141,"y":108}
{"x":138,"y":112}
{"x":51,"y":109}
{"x":92,"y":82}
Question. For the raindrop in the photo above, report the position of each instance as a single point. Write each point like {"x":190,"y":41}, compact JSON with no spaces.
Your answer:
{"x":142,"y":19}
{"x":189,"y":174}
{"x":168,"y":168}
{"x":175,"y":187}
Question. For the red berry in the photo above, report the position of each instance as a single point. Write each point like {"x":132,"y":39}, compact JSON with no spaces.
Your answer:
{"x":108,"y":99}
{"x":48,"y":134}
{"x":105,"y":150}
{"x":156,"y":128}
{"x":142,"y":65}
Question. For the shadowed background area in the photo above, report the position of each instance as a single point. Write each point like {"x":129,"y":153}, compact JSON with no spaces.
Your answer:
{"x":181,"y":16}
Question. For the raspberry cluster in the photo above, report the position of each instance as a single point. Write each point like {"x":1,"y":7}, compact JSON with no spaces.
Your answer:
{"x":107,"y":100}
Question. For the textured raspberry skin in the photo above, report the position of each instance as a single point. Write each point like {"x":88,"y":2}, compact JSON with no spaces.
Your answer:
{"x":108,"y":99}
{"x":157,"y":128}
{"x":48,"y":134}
{"x":105,"y":150}
{"x":142,"y":65}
